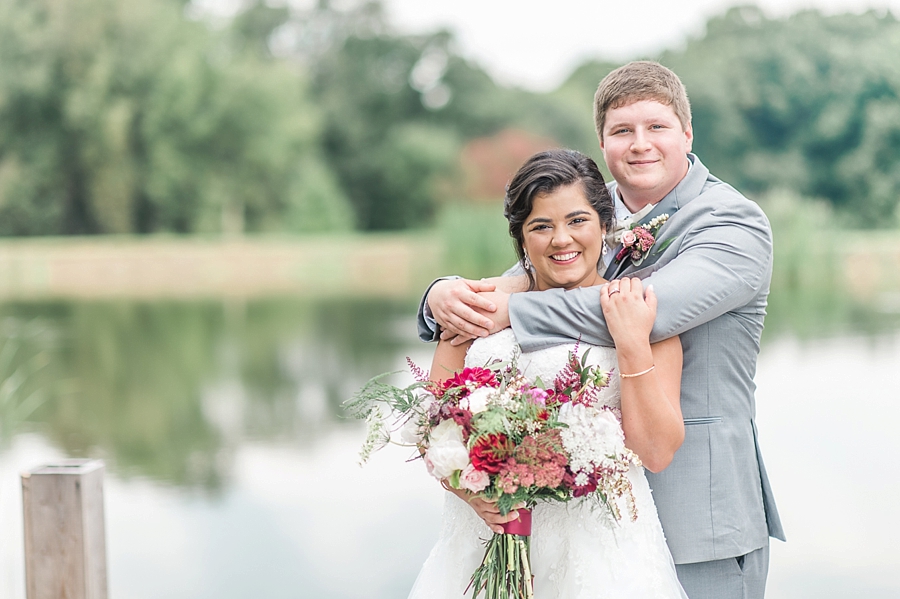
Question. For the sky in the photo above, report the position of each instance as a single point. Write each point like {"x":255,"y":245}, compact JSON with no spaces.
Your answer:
{"x":536,"y":44}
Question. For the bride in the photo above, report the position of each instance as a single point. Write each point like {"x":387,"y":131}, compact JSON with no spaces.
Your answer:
{"x":559,"y":209}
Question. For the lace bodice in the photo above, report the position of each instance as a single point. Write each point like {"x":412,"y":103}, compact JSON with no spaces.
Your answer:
{"x":545,"y":363}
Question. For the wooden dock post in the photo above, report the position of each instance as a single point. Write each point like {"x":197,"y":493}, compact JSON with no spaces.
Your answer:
{"x":65,"y":537}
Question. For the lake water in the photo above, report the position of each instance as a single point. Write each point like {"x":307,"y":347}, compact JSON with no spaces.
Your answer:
{"x":231,"y":472}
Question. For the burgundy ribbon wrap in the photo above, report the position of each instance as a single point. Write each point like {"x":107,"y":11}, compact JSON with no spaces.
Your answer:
{"x":519,"y":526}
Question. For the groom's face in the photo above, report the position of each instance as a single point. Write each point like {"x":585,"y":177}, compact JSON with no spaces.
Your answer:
{"x":645,"y":147}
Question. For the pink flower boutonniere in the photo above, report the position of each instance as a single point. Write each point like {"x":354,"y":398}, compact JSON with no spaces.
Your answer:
{"x":638,"y":239}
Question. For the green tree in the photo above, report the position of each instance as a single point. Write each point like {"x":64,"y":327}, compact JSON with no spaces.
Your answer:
{"x":807,"y":102}
{"x":398,"y":109}
{"x":120,"y":117}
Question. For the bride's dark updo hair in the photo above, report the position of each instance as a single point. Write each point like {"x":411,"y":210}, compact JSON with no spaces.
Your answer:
{"x":544,"y":173}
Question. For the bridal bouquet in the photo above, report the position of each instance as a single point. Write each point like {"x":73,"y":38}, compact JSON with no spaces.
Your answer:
{"x":492,"y":432}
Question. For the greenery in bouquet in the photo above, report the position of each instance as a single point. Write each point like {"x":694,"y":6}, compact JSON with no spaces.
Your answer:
{"x":493,"y":432}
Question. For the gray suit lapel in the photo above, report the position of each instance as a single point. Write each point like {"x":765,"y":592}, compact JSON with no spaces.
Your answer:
{"x":687,"y":189}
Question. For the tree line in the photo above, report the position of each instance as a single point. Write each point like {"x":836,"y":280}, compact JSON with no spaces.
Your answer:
{"x":119,"y":117}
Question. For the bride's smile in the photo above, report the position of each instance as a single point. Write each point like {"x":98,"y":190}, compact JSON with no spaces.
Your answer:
{"x":567,"y":257}
{"x":563,"y":239}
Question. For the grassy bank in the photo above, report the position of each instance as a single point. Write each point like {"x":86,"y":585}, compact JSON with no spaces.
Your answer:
{"x":343,"y":265}
{"x":863,"y":265}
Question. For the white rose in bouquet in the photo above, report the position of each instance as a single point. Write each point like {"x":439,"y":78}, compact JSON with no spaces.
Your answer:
{"x":412,"y":430}
{"x":477,"y":400}
{"x":411,"y":433}
{"x":446,"y":451}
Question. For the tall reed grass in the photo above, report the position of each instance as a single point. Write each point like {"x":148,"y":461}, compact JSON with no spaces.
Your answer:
{"x":476,"y":241}
{"x":826,"y":278}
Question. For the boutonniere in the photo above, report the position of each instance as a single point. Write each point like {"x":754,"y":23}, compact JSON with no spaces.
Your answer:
{"x":637,"y":240}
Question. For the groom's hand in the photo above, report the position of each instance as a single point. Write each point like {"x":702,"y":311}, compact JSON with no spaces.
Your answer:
{"x":455,"y":305}
{"x":499,"y":318}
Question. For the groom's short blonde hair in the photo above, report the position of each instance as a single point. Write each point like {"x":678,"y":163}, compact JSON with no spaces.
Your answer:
{"x":641,"y":80}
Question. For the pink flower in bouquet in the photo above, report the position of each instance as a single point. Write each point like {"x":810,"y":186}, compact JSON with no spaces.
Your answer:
{"x":515,"y":475}
{"x":537,"y":461}
{"x":645,"y":238}
{"x":550,"y":475}
{"x":538,"y":396}
{"x":628,"y":238}
{"x":474,"y":480}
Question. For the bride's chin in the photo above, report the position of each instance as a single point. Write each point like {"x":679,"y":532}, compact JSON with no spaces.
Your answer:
{"x":566,"y":285}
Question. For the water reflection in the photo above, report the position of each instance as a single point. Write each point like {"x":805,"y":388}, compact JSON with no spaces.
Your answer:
{"x":167,"y":390}
{"x":811,"y":313}
{"x":23,"y":352}
{"x":232,"y":470}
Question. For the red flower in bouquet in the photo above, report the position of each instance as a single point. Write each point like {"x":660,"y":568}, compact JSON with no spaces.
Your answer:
{"x":583,"y":490}
{"x":471,"y":378}
{"x":490,"y":452}
{"x":511,"y":440}
{"x":461,"y":417}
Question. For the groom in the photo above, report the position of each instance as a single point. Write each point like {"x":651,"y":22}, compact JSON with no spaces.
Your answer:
{"x":710,"y":269}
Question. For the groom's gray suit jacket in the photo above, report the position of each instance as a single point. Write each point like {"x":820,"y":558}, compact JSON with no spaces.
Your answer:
{"x":712,"y":281}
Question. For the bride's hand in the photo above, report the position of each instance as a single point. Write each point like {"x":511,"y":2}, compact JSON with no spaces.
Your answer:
{"x":487,"y":510}
{"x":629,"y":310}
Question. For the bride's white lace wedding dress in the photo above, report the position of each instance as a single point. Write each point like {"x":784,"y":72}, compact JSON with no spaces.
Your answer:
{"x":577,"y":551}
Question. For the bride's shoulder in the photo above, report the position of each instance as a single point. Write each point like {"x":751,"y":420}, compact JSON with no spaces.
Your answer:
{"x":604,"y":357}
{"x":501,"y":345}
{"x":597,"y":355}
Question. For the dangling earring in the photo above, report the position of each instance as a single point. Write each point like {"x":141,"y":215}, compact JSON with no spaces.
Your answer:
{"x":526,"y":262}
{"x":605,"y":249}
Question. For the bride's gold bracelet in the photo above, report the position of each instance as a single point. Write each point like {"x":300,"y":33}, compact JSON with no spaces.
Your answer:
{"x":636,"y":374}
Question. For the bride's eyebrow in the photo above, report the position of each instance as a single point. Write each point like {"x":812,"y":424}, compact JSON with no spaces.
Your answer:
{"x":541,"y":219}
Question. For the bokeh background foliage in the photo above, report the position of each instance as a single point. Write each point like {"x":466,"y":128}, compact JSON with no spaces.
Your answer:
{"x":123,"y":117}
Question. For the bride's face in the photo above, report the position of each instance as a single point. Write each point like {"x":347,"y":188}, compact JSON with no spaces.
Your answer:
{"x":563,"y":239}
